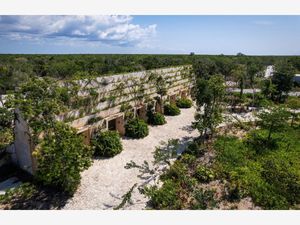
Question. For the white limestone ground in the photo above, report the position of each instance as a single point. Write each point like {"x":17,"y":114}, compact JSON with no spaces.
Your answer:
{"x":106,"y":181}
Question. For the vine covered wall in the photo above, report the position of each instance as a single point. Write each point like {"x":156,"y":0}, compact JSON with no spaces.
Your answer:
{"x":101,"y":97}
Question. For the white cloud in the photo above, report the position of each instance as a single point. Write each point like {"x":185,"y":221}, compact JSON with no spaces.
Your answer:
{"x":112,"y":30}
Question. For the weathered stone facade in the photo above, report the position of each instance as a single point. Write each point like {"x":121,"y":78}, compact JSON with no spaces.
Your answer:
{"x":107,"y":101}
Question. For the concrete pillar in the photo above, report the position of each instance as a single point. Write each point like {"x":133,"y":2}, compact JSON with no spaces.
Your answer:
{"x":184,"y":94}
{"x":86,"y":136}
{"x":159,"y":107}
{"x":120,"y":125}
{"x":172,"y":99}
{"x":141,"y":112}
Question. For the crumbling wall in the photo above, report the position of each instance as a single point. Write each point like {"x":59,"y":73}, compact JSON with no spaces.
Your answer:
{"x":23,"y":146}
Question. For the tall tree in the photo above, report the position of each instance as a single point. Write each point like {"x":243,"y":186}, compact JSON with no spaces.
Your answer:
{"x":273,"y":119}
{"x":254,"y":69}
{"x":209,"y":94}
{"x":239,"y":74}
{"x":294,"y":104}
{"x":283,"y":79}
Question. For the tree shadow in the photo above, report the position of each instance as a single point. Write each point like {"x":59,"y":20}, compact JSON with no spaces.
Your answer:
{"x":183,"y":142}
{"x":188,"y":128}
{"x":33,"y":196}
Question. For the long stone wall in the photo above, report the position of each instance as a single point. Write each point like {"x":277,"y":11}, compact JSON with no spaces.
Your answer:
{"x":110,"y":93}
{"x":103,"y":100}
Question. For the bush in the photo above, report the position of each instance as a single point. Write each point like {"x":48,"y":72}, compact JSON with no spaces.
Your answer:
{"x":6,"y":118}
{"x":281,"y":170}
{"x":259,"y":142}
{"x":6,"y":127}
{"x":171,"y":110}
{"x":23,"y":192}
{"x":107,"y":144}
{"x":261,"y":101}
{"x":156,"y":118}
{"x":184,"y":103}
{"x":165,"y":197}
{"x":6,"y":137}
{"x":204,"y":174}
{"x":177,"y":171}
{"x":204,"y":199}
{"x":272,"y":178}
{"x":136,"y":128}
{"x":61,"y":157}
{"x":188,"y":159}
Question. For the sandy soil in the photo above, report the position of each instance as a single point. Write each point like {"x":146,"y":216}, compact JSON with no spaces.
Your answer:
{"x":106,"y":181}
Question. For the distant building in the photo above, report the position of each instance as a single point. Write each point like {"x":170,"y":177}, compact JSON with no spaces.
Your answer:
{"x":269,"y":71}
{"x":296,"y":78}
{"x":230,"y":84}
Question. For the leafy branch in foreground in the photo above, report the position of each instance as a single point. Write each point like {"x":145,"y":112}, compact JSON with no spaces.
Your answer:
{"x":162,"y":157}
{"x":126,"y":198}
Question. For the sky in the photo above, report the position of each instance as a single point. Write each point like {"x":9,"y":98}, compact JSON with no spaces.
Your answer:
{"x":251,"y":35}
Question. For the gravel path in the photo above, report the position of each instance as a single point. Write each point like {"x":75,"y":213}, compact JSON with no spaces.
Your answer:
{"x":106,"y":181}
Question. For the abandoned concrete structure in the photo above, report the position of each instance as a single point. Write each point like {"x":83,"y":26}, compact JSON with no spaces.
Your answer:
{"x":107,"y":103}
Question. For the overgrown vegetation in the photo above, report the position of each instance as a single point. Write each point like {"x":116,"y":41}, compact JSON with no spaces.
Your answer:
{"x":6,"y":127}
{"x":269,"y":174}
{"x":156,"y":118}
{"x":107,"y":144}
{"x":39,"y":101}
{"x":30,"y":195}
{"x":68,"y":156}
{"x":184,"y":103}
{"x":136,"y":128}
{"x":209,"y":95}
{"x":261,"y":163}
{"x":171,"y":110}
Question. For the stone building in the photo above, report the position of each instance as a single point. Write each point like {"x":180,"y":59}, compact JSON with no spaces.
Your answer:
{"x":107,"y":102}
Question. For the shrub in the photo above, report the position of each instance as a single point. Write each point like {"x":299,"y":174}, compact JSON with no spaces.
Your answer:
{"x":204,"y":174}
{"x":165,"y":197}
{"x":6,"y":137}
{"x":107,"y":144}
{"x":156,"y":118}
{"x":23,"y":192}
{"x":6,"y":118}
{"x":6,"y":127}
{"x":136,"y":128}
{"x":188,"y":159}
{"x":204,"y":199}
{"x":61,"y":157}
{"x":259,"y":142}
{"x":261,"y":101}
{"x":234,"y":192}
{"x":171,"y":110}
{"x":271,"y":178}
{"x":281,"y":170}
{"x":184,"y":103}
{"x":177,"y":171}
